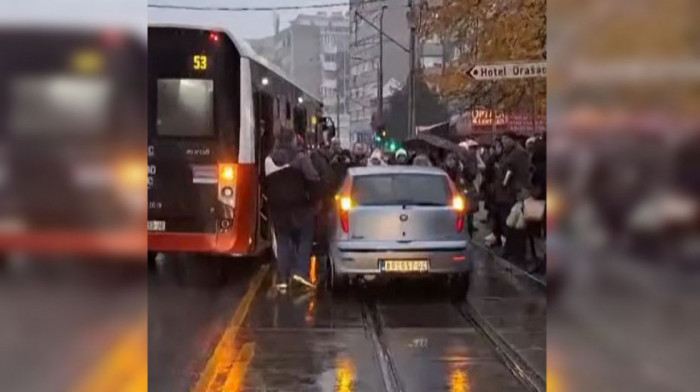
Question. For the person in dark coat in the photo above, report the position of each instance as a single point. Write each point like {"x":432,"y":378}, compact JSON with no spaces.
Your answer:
{"x":290,"y":179}
{"x":469,"y":171}
{"x":323,"y":195}
{"x":512,"y":185}
{"x":538,"y":161}
{"x":490,"y":175}
{"x":452,"y":167}
{"x":359,"y":155}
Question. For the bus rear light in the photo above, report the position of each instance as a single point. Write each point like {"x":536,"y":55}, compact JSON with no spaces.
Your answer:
{"x":227,"y":184}
{"x":214,"y":37}
{"x":227,"y":172}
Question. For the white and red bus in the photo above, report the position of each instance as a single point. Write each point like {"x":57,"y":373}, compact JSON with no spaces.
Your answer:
{"x":214,"y":107}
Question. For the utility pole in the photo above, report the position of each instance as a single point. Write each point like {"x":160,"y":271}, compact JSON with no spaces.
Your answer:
{"x":412,"y":21}
{"x":380,"y":78}
{"x":381,"y":40}
{"x":337,"y":110}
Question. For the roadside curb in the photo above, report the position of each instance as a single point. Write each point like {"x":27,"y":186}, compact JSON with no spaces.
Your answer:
{"x":507,"y":265}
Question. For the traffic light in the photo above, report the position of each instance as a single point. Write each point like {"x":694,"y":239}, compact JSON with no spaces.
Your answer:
{"x":380,"y":136}
{"x":392,"y":146}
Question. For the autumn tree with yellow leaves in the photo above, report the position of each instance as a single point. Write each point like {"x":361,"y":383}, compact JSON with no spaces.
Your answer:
{"x":483,"y":32}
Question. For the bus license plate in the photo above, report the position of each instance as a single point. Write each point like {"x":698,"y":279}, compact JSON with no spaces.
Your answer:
{"x":405,"y":266}
{"x":156,"y":225}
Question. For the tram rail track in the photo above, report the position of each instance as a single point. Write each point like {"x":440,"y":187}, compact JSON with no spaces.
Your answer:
{"x":374,"y":326}
{"x":520,"y":369}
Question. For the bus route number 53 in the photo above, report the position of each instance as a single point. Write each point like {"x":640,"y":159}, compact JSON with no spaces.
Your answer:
{"x":200,"y":62}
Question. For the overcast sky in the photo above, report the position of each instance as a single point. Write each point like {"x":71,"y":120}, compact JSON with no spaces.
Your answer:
{"x":130,"y":14}
{"x":249,"y":24}
{"x":134,"y":15}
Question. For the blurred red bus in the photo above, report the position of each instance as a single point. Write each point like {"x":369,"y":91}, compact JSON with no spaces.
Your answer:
{"x":72,"y":127}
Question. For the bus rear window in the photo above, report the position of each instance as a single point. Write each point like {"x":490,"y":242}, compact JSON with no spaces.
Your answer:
{"x":185,"y":107}
{"x":59,"y":105}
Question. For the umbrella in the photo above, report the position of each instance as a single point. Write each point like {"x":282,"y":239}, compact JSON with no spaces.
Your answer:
{"x":424,"y":140}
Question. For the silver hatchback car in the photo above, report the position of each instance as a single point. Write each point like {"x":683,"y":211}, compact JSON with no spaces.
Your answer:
{"x":399,"y":221}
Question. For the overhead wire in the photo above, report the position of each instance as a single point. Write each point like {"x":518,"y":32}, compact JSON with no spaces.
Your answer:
{"x":268,"y":8}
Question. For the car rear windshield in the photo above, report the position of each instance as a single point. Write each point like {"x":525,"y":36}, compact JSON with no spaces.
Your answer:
{"x":400,"y":189}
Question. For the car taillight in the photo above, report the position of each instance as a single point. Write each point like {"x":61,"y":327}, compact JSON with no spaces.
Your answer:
{"x":344,"y":205}
{"x":227,"y":184}
{"x":460,"y":223}
{"x":459,"y":204}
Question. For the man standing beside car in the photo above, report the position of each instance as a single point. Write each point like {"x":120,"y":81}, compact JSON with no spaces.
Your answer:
{"x":290,"y":179}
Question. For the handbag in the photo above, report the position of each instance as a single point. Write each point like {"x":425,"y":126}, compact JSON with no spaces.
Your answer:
{"x":515,"y":219}
{"x":533,"y":210}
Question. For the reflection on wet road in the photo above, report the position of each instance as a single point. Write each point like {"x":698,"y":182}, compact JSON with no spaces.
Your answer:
{"x":241,"y":335}
{"x":72,"y":324}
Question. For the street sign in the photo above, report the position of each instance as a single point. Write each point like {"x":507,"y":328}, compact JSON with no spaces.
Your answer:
{"x":508,"y":71}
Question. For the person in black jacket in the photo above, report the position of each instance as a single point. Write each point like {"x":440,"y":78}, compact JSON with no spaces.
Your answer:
{"x":290,"y":179}
{"x":340,"y":161}
{"x":323,"y":196}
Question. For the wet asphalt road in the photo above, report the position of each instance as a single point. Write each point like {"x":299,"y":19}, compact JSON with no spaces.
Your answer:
{"x":66,"y":320}
{"x":227,"y":331}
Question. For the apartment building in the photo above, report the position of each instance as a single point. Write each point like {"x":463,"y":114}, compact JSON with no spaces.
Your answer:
{"x":364,"y":55}
{"x":334,"y":31}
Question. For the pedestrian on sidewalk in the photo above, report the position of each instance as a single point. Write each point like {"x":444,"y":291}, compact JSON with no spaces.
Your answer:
{"x":514,"y":182}
{"x":538,"y":190}
{"x":289,"y":179}
{"x":376,"y":158}
{"x":401,"y":157}
{"x":490,"y":189}
{"x":470,"y":170}
{"x":359,"y":152}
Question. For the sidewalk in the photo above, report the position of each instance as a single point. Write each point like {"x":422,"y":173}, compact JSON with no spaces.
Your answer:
{"x":511,"y":305}
{"x":513,"y":308}
{"x":483,"y":229}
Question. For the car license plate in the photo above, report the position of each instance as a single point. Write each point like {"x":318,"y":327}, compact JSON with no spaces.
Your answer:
{"x":156,"y":225}
{"x":405,"y":266}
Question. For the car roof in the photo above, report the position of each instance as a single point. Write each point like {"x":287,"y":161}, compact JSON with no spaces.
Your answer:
{"x":394,"y":169}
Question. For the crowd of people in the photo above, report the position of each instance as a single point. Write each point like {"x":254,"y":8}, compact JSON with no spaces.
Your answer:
{"x":513,"y":173}
{"x":300,"y":184}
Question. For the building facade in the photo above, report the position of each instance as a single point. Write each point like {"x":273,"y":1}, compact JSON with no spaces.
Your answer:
{"x":364,"y":56}
{"x":296,"y":51}
{"x":334,"y":31}
{"x":313,"y":50}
